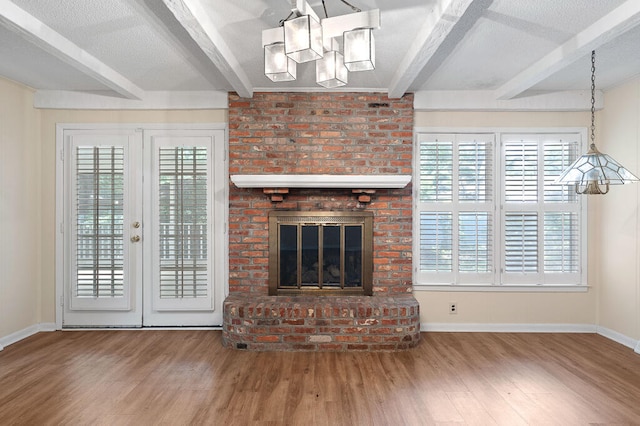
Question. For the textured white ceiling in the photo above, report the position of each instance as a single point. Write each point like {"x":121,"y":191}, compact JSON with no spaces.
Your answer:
{"x":509,"y":37}
{"x":491,"y":44}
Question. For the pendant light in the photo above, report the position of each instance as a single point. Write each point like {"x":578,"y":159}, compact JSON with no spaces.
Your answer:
{"x":594,"y":171}
{"x":330,"y":70}
{"x":277,"y":65}
{"x":304,"y":37}
{"x":359,"y":49}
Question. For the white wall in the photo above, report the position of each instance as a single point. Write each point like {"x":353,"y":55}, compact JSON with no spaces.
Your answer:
{"x":619,"y":226}
{"x":483,"y":309}
{"x":20,"y":210}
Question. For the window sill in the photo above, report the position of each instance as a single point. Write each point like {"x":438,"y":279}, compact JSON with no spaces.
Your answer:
{"x":503,"y":288}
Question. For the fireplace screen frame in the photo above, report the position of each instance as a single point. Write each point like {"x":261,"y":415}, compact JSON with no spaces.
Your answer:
{"x":363,"y":219}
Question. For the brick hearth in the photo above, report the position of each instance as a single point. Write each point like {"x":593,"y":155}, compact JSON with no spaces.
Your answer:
{"x":321,"y":323}
{"x":320,"y":133}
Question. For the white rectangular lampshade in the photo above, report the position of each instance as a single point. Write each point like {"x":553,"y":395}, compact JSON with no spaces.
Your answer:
{"x":359,"y":49}
{"x":303,"y":39}
{"x":330,"y":70}
{"x":277,"y":65}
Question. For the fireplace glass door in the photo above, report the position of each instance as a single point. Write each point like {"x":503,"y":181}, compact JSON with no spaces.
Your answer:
{"x":320,"y":252}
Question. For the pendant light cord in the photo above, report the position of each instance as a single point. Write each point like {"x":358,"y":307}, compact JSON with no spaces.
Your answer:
{"x":593,"y":97}
{"x":355,"y":9}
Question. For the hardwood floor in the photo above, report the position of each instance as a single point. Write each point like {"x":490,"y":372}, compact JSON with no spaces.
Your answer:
{"x":187,"y":377}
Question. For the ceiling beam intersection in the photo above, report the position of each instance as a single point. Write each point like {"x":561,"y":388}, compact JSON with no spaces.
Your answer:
{"x":612,"y":25}
{"x":432,"y":34}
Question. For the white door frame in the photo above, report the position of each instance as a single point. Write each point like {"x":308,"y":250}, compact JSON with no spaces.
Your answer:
{"x":221,"y":263}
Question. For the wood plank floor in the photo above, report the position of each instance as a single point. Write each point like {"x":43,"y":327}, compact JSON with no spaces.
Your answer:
{"x":187,"y":377}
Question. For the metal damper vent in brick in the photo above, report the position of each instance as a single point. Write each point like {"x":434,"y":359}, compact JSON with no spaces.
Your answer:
{"x":321,"y":252}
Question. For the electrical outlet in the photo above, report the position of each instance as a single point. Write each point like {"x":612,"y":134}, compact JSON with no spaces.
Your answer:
{"x":453,"y":308}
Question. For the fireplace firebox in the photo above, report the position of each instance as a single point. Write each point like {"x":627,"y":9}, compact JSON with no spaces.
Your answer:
{"x":320,"y":252}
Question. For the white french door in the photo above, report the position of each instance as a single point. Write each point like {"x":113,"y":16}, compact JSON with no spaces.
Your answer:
{"x":178,"y":272}
{"x":143,"y":224}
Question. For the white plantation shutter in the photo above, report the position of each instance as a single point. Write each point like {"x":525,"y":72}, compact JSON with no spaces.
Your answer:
{"x":542,"y":222}
{"x":562,"y":242}
{"x":183,"y":222}
{"x":456,"y":218}
{"x":559,"y":153}
{"x":562,"y":219}
{"x":521,"y":171}
{"x":521,"y":242}
{"x":99,"y":221}
{"x":436,"y":170}
{"x":436,"y":241}
{"x":531,"y":234}
{"x":475,"y":170}
{"x":475,"y":191}
{"x":475,"y":248}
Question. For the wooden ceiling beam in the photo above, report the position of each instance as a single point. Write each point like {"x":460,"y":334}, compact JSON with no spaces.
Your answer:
{"x":52,"y":42}
{"x":194,"y":18}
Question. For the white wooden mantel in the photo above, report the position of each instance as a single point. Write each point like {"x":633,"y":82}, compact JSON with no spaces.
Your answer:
{"x":363,"y":185}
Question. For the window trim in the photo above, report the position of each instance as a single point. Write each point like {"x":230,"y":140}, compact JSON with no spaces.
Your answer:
{"x":498,"y":173}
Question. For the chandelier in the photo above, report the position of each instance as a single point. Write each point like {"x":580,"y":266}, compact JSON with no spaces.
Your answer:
{"x":594,"y":171}
{"x":304,"y":37}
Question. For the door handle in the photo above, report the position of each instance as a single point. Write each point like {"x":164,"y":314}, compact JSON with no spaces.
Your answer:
{"x":135,"y":238}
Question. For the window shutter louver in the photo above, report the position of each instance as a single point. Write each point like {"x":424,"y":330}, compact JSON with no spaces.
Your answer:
{"x":561,"y":242}
{"x":436,"y":171}
{"x":475,"y":242}
{"x":521,"y":171}
{"x":558,"y":156}
{"x":521,"y":242}
{"x":436,"y":242}
{"x":475,"y":168}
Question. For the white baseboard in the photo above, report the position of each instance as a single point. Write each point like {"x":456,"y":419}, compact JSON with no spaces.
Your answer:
{"x":508,"y":328}
{"x":619,"y":337}
{"x":26,"y":332}
{"x":533,"y":328}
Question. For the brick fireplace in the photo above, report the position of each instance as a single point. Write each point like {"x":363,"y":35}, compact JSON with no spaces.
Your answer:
{"x":331,"y":134}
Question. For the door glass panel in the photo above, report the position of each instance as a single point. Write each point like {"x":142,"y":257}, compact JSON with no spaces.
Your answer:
{"x":310,"y":255}
{"x":289,"y":255}
{"x":331,"y":256}
{"x":353,"y":253}
{"x":99,"y":222}
{"x":183,"y":222}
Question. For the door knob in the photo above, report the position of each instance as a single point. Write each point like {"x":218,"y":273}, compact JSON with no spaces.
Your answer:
{"x":136,"y":225}
{"x":135,"y":238}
